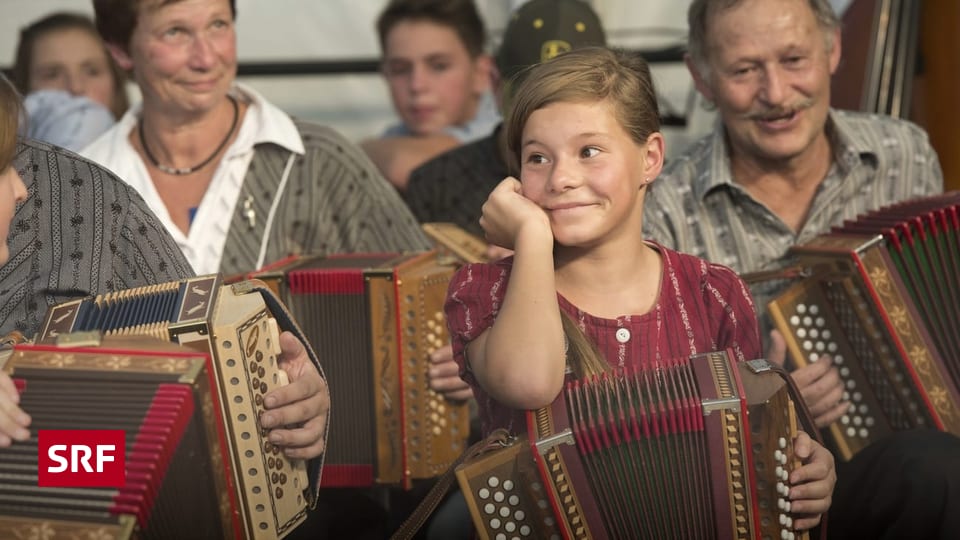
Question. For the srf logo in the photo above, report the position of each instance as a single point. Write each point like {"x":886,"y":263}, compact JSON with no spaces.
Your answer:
{"x":81,"y":458}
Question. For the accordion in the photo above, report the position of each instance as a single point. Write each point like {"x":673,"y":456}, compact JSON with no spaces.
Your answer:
{"x":374,"y":319}
{"x":259,"y":492}
{"x":700,"y":447}
{"x":882,"y":296}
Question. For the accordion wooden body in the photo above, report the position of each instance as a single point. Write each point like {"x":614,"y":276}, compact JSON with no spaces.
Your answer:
{"x":697,"y":448}
{"x":882,"y":297}
{"x":374,"y":319}
{"x":253,"y":489}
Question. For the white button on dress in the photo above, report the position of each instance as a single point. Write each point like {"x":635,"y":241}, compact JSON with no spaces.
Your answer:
{"x":623,"y":335}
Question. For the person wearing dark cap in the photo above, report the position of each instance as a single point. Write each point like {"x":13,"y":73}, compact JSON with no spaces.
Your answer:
{"x":453,"y":186}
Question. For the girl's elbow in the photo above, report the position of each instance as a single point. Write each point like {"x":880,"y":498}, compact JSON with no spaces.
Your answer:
{"x":533,"y":394}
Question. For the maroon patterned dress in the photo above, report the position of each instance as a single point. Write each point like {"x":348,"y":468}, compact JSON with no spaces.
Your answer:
{"x":702,"y":307}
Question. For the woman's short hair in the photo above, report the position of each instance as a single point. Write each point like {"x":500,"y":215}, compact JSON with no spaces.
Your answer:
{"x":116,"y":19}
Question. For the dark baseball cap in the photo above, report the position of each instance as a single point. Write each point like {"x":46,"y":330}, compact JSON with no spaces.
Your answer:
{"x":541,"y":29}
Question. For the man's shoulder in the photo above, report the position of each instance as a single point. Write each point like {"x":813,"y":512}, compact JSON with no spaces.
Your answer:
{"x":695,"y":156}
{"x":857,"y":122}
{"x":682,"y":172}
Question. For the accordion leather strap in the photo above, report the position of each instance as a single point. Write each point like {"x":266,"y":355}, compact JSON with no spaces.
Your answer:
{"x":286,"y":321}
{"x":497,"y":439}
{"x":809,"y":426}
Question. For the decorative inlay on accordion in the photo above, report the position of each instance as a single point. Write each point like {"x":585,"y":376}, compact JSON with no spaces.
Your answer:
{"x":883,"y":298}
{"x":450,"y":237}
{"x":269,"y":492}
{"x":374,"y":319}
{"x":698,"y":448}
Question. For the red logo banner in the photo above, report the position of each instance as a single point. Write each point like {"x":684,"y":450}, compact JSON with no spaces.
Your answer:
{"x":81,"y":458}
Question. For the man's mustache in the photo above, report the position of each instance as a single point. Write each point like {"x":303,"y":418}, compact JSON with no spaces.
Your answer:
{"x":773,"y":113}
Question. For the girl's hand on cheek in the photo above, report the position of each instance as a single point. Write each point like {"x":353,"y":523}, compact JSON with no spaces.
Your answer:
{"x":507,"y":212}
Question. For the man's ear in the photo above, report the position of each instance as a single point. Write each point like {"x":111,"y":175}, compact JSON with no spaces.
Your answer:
{"x":120,"y":56}
{"x":835,"y":51}
{"x":484,"y":73}
{"x":698,"y":81}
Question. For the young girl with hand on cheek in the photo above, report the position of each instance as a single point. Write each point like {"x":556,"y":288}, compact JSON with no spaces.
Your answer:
{"x":584,"y":135}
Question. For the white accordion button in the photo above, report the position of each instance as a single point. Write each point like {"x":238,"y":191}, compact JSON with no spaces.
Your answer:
{"x":623,"y":335}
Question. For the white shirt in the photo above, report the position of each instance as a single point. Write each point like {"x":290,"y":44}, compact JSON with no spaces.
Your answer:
{"x":203,"y":245}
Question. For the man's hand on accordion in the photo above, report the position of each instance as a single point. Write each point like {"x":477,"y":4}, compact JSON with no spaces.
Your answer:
{"x":819,"y":383}
{"x":13,"y":421}
{"x":445,"y":375}
{"x":297,"y":413}
{"x":812,"y":483}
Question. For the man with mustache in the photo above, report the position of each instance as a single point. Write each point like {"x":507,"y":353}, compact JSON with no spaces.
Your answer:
{"x":780,"y":168}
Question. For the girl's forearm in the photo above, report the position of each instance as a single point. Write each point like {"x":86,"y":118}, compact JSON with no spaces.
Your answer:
{"x":524,"y":353}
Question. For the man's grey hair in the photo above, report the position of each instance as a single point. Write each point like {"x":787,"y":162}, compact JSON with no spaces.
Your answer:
{"x":701,"y":10}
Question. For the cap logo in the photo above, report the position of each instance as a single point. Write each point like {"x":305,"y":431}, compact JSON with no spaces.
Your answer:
{"x":552,"y":48}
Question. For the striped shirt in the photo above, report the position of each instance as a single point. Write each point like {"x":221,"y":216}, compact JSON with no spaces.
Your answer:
{"x":81,"y":231}
{"x":696,"y":206}
{"x":702,"y":307}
